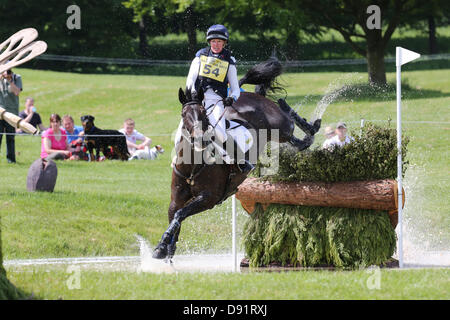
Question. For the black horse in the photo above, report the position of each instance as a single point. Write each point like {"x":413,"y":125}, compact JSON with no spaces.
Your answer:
{"x":197,"y":187}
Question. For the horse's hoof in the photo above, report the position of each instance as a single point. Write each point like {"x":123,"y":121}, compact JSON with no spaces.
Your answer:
{"x":160,"y":251}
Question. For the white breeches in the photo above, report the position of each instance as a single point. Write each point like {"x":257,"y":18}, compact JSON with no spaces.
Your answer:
{"x":214,"y":108}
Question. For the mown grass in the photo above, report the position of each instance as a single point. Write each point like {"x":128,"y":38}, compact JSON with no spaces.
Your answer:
{"x":99,"y":208}
{"x":323,"y":285}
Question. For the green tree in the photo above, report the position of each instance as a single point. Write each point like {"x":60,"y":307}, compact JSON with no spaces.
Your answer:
{"x":427,"y":19}
{"x":149,"y":15}
{"x":106,"y":27}
{"x":267,"y":18}
{"x":159,"y":17}
{"x":349,"y":18}
{"x":197,"y":15}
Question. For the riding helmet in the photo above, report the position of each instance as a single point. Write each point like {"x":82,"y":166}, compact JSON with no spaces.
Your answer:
{"x":217,"y":31}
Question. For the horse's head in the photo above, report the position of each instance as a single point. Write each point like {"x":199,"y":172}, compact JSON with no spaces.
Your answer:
{"x":194,"y":117}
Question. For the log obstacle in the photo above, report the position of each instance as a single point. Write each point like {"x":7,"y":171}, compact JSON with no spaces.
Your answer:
{"x":375,"y":195}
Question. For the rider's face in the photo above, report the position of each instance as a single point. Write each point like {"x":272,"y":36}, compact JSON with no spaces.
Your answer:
{"x":217,"y":45}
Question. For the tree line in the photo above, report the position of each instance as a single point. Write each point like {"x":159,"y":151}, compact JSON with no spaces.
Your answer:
{"x":123,"y":28}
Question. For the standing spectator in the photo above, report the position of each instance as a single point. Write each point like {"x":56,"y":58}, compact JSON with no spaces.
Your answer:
{"x":10,"y":88}
{"x":133,"y":136}
{"x":54,"y":141}
{"x":341,"y":138}
{"x":72,"y":131}
{"x":329,"y":134}
{"x":31,"y":116}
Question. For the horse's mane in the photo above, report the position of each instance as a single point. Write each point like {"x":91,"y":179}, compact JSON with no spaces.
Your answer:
{"x":264,"y":76}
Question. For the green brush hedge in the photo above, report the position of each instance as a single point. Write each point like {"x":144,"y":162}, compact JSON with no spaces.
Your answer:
{"x":325,"y":236}
{"x":373,"y":155}
{"x":318,"y":236}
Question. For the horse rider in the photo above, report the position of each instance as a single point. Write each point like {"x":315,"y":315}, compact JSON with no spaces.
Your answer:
{"x":212,"y":69}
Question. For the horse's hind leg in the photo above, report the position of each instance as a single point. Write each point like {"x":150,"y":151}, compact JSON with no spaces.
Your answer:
{"x":309,"y":129}
{"x":202,"y":202}
{"x":301,"y":144}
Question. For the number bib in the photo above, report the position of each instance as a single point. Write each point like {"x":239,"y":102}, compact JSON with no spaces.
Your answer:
{"x":213,"y":68}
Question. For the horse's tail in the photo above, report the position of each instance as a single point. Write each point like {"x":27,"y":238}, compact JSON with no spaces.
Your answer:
{"x":264,"y":76}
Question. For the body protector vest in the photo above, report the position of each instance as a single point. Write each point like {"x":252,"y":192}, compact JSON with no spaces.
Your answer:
{"x":213,"y":70}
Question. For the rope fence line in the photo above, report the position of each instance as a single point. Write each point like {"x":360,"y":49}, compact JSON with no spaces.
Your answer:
{"x":88,"y":135}
{"x":170,"y":134}
{"x":184,"y":63}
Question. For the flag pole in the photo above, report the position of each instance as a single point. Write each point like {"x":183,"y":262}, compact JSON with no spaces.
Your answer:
{"x":402,"y":56}
{"x":399,"y":154}
{"x":233,"y":232}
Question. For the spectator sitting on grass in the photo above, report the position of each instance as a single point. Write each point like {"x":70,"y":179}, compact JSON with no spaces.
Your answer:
{"x":133,"y":136}
{"x":30,"y":115}
{"x":73,"y":132}
{"x":54,"y":142}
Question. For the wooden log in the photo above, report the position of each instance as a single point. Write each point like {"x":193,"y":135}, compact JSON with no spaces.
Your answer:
{"x":375,"y":195}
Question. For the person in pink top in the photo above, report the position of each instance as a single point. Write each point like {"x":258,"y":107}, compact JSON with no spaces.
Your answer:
{"x":55,"y":145}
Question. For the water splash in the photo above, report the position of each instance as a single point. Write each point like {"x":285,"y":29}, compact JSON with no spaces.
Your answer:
{"x":422,"y":245}
{"x":335,"y":90}
{"x":148,"y":264}
{"x":185,"y":263}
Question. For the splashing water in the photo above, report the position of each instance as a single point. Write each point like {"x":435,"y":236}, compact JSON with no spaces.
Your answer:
{"x":422,"y":245}
{"x":334,"y":91}
{"x":148,"y":264}
{"x":185,"y":263}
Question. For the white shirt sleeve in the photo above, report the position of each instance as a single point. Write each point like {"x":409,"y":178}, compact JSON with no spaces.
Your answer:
{"x":235,"y":91}
{"x":138,"y":136}
{"x":193,"y":74}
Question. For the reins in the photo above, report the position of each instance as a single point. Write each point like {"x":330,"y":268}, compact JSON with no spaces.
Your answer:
{"x":190,"y":180}
{"x":194,"y":174}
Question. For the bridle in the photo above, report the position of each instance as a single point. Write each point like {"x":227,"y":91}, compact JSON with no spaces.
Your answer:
{"x":196,"y":169}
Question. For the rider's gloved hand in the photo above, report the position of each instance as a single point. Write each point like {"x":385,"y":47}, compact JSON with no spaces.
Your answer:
{"x":228,"y":102}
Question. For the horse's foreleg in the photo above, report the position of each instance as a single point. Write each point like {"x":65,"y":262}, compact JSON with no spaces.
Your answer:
{"x":305,"y":126}
{"x":180,"y":196}
{"x":200,"y":203}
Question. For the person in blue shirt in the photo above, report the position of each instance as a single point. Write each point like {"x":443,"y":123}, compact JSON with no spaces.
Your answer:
{"x":73,"y":131}
{"x":74,"y":138}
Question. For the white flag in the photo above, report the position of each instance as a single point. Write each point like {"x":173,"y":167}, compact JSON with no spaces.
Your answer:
{"x":404,"y":56}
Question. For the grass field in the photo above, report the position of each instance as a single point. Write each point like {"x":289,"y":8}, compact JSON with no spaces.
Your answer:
{"x":97,"y":209}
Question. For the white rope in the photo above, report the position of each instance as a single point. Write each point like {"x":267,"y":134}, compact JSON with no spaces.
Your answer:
{"x":183,"y":63}
{"x":89,"y":135}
